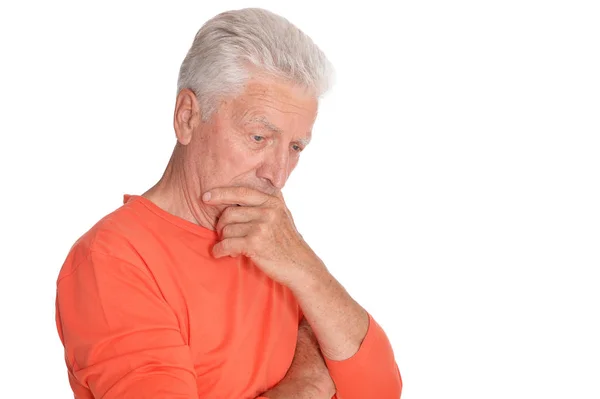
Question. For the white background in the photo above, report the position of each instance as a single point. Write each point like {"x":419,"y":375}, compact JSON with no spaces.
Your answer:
{"x":453,"y":182}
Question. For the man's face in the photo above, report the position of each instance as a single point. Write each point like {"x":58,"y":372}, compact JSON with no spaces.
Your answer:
{"x":255,"y":139}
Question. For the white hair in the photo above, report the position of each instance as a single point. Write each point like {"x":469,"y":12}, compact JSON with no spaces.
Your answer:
{"x":230,"y":45}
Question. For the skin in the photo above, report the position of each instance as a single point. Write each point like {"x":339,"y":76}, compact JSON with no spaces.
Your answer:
{"x":226,"y":174}
{"x":307,"y":376}
{"x":225,"y":152}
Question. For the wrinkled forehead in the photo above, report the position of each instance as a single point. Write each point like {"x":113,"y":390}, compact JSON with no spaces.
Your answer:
{"x":280,"y":95}
{"x":277,"y":106}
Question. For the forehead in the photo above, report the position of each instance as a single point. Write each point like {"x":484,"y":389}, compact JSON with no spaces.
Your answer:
{"x":271,"y":98}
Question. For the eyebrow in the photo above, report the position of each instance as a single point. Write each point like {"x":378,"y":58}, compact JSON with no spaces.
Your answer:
{"x":266,"y":123}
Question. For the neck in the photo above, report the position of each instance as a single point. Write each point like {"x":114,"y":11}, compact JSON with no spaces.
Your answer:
{"x":172,"y":193}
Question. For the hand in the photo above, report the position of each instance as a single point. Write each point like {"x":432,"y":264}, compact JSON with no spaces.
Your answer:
{"x":261,"y":228}
{"x":308,"y":376}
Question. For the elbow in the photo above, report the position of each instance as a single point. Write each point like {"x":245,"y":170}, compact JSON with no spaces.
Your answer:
{"x":391,"y":388}
{"x":398,"y":383}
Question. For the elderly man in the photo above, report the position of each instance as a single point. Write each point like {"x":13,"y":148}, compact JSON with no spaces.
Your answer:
{"x":202,"y":287}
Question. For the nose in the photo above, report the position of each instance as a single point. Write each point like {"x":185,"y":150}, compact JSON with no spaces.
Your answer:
{"x":275,"y":170}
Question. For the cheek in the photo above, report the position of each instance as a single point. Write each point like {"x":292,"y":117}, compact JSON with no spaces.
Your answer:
{"x":238,"y":161}
{"x":225,"y":153}
{"x":294,"y":162}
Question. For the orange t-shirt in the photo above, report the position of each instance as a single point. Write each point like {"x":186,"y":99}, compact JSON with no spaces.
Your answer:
{"x":144,"y":311}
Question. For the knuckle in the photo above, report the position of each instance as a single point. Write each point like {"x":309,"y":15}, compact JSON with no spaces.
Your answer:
{"x":227,"y":230}
{"x":226,"y":213}
{"x":221,"y":223}
{"x":244,"y":191}
{"x":227,"y":216}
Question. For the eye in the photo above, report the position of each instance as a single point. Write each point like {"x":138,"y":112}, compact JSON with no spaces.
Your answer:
{"x":258,"y":138}
{"x":297,"y":148}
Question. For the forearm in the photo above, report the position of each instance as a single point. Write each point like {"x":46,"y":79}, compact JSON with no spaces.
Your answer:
{"x":338,"y":321}
{"x":298,"y":389}
{"x":307,"y":377}
{"x":358,"y":353}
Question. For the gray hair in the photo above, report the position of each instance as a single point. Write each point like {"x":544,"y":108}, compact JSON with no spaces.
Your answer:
{"x":231,"y":44}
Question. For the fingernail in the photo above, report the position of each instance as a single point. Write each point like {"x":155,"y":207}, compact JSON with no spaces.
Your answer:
{"x":206,"y":196}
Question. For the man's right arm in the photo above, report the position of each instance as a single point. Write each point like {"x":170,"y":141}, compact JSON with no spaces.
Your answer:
{"x":121,"y":339}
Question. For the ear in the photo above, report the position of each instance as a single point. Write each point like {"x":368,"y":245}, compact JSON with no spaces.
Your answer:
{"x":187,"y":116}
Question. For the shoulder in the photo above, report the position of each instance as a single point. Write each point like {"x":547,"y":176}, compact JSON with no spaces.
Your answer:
{"x":113,"y":236}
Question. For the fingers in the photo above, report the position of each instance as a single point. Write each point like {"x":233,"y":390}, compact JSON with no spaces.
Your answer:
{"x":235,"y":196}
{"x":238,"y":214}
{"x":236,"y":230}
{"x":233,"y":247}
{"x":234,"y":227}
